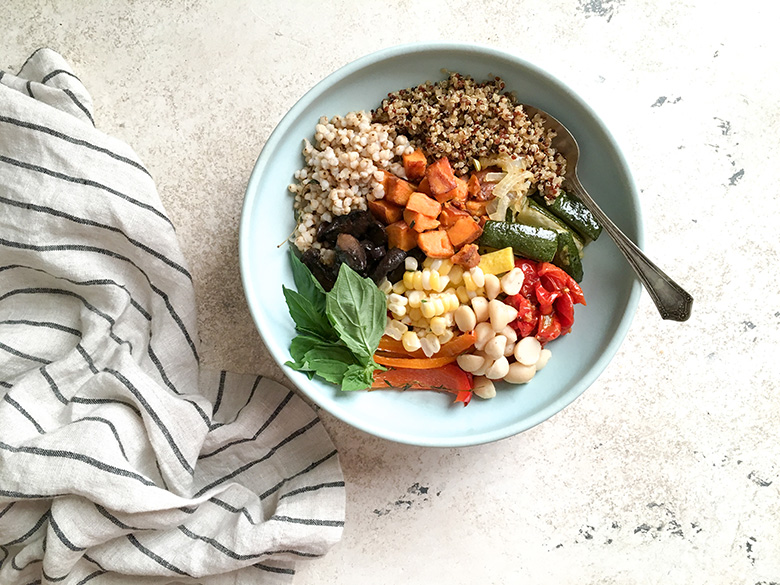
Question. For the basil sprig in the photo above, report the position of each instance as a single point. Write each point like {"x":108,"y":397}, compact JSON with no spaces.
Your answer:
{"x":339,"y":330}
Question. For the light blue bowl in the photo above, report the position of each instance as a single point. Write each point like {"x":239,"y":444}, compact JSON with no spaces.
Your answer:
{"x":431,"y":418}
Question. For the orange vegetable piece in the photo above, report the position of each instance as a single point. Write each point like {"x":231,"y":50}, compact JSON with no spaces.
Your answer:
{"x":477,"y":208}
{"x":397,"y":191}
{"x":424,"y":186}
{"x":400,"y":235}
{"x":450,"y":214}
{"x":385,"y":211}
{"x":419,"y":222}
{"x":413,"y":363}
{"x":467,"y":256}
{"x":414,"y":165}
{"x":473,"y":186}
{"x":423,"y":204}
{"x":447,"y":378}
{"x":435,"y":244}
{"x":465,"y":231}
{"x":459,"y":193}
{"x":441,"y":177}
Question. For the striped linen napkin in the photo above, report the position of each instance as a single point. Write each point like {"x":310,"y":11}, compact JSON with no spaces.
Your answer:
{"x":121,"y":459}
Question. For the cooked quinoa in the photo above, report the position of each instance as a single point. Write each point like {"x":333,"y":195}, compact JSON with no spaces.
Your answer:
{"x":462,"y":120}
{"x":343,"y":170}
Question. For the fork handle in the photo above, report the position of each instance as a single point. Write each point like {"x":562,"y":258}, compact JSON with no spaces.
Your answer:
{"x":669,"y":297}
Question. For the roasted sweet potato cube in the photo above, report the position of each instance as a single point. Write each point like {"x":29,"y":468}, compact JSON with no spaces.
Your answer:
{"x":459,"y":193}
{"x":419,"y":222}
{"x":414,"y":165}
{"x":477,"y":208}
{"x":421,"y":203}
{"x":397,"y":191}
{"x":465,"y":231}
{"x":467,"y":256}
{"x":385,"y":211}
{"x":435,"y":244}
{"x":400,"y":235}
{"x":450,"y":214}
{"x":440,"y":177}
{"x":424,"y":186}
{"x":473,"y":187}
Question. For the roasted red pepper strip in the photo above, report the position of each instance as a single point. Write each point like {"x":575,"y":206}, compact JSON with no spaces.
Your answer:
{"x":449,"y":378}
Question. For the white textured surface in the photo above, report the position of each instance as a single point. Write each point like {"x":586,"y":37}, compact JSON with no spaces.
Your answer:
{"x":666,"y":470}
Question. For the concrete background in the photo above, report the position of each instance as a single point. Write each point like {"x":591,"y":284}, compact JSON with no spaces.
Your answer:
{"x":666,"y":470}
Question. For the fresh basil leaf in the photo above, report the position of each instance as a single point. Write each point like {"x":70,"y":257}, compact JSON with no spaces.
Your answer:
{"x":306,"y":284}
{"x":307,"y":318}
{"x":358,"y":377}
{"x":357,"y":309}
{"x":303,"y":343}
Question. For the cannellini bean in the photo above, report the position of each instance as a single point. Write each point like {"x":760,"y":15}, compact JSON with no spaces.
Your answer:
{"x":501,"y":314}
{"x":528,"y":350}
{"x":518,"y":373}
{"x":509,"y":349}
{"x":492,"y":286}
{"x":494,"y":348}
{"x":470,"y":362}
{"x":486,"y":363}
{"x":480,"y":306}
{"x":484,"y":387}
{"x":512,"y":281}
{"x":498,"y":369}
{"x":544,"y":357}
{"x":484,"y":333}
{"x":465,"y":318}
{"x":510,"y":334}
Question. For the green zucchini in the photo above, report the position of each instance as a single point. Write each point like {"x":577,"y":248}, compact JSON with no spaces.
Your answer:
{"x":532,"y":242}
{"x":568,"y":256}
{"x":573,"y":212}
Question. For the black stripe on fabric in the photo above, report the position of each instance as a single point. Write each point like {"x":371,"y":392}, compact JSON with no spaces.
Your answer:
{"x":91,"y":461}
{"x":90,"y":223}
{"x":94,"y":562}
{"x":304,"y":471}
{"x":87,"y":183}
{"x":56,"y":72}
{"x":17,"y":353}
{"x":156,"y":558}
{"x":64,"y":539}
{"x":48,"y":324}
{"x":53,"y":385}
{"x":269,"y":569}
{"x":24,"y":413}
{"x":116,"y":521}
{"x":25,"y":496}
{"x":96,"y":401}
{"x":220,"y":390}
{"x":88,"y":358}
{"x":270,"y":453}
{"x":87,"y":305}
{"x":36,"y":527}
{"x":155,"y":417}
{"x":34,"y":582}
{"x":240,"y":410}
{"x":225,"y":506}
{"x":308,"y":521}
{"x":35,"y":52}
{"x":262,"y":428}
{"x":18,"y":568}
{"x":53,"y":579}
{"x":164,"y":377}
{"x":5,"y":384}
{"x":90,"y":577}
{"x":233,"y":554}
{"x":111,"y":426}
{"x":29,"y":89}
{"x":78,"y":103}
{"x":72,"y":140}
{"x":313,"y":488}
{"x":8,"y":507}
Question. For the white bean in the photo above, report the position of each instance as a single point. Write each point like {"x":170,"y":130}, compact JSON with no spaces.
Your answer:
{"x":484,"y":333}
{"x":512,"y":281}
{"x":528,"y":350}
{"x":510,"y":334}
{"x":519,"y":373}
{"x":494,"y":348}
{"x":498,"y":369}
{"x":501,"y":314}
{"x":484,"y":388}
{"x":480,"y":306}
{"x":465,"y":318}
{"x":492,"y":286}
{"x":544,"y":357}
{"x":470,"y":362}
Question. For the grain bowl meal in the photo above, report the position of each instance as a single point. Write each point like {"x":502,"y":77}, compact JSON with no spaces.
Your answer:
{"x":435,"y":246}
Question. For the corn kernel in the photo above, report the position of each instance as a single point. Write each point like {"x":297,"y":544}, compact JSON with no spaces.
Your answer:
{"x":397,"y":310}
{"x":428,"y":308}
{"x":418,"y":280}
{"x":430,"y":344}
{"x":410,"y":341}
{"x":415,"y":297}
{"x":409,"y":279}
{"x":427,"y":262}
{"x":396,"y":299}
{"x":451,"y":302}
{"x":410,"y":263}
{"x":444,"y":281}
{"x":456,"y":275}
{"x":438,"y":306}
{"x":399,"y":288}
{"x":385,"y":286}
{"x":446,"y":267}
{"x":395,"y":329}
{"x":463,"y":295}
{"x":426,"y":279}
{"x":468,"y":281}
{"x":436,"y":264}
{"x":415,"y":314}
{"x":438,"y":325}
{"x":434,"y":281}
{"x":446,"y":336}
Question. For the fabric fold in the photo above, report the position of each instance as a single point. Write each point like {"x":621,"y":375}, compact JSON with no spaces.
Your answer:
{"x":122,"y":460}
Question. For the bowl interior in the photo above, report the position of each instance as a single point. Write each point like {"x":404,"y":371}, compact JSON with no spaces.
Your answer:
{"x":429,"y":418}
